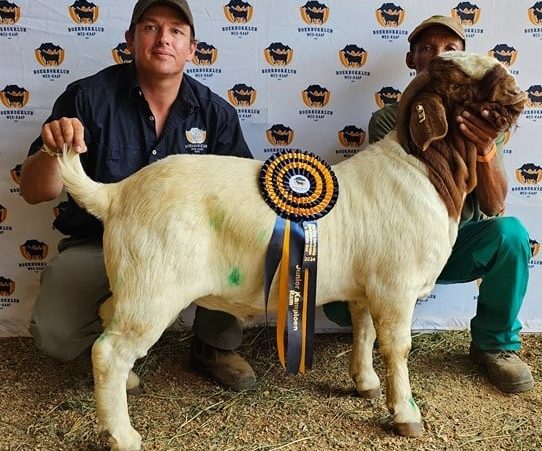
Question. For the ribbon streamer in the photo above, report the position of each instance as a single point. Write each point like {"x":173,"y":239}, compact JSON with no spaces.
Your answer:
{"x":300,"y":188}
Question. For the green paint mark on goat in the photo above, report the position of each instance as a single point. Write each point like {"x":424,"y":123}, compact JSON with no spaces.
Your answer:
{"x":413,"y":404}
{"x":216,"y":220}
{"x":235,"y":278}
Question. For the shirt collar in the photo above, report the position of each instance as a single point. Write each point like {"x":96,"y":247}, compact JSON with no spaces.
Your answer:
{"x":186,"y":99}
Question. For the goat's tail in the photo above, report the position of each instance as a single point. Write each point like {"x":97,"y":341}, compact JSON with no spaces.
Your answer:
{"x":90,"y":195}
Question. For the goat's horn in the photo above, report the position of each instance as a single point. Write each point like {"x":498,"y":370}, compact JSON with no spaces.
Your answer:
{"x":403,"y":111}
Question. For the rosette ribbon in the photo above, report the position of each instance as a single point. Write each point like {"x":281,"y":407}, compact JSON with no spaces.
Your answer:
{"x":300,"y":188}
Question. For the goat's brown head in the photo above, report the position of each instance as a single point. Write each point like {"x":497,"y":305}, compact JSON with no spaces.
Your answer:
{"x":426,"y":126}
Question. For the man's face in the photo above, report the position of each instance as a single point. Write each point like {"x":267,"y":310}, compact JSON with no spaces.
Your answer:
{"x":432,"y":42}
{"x":161,"y":42}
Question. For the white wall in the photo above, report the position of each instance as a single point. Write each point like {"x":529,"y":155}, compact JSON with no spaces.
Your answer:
{"x":240,"y":59}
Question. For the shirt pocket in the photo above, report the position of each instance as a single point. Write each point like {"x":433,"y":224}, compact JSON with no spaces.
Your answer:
{"x":123,"y":160}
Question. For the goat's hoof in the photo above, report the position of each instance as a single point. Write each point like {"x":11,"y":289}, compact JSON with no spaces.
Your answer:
{"x":373,"y":393}
{"x":130,"y":440}
{"x":409,"y":429}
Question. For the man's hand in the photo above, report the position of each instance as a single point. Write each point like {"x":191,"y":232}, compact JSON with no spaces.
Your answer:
{"x":478,"y":130}
{"x":64,"y":131}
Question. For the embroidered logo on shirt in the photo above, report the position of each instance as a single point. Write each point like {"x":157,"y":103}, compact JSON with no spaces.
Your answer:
{"x":195,"y":135}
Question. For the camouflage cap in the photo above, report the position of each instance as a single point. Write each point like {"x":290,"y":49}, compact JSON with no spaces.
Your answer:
{"x":181,"y":5}
{"x":443,"y":21}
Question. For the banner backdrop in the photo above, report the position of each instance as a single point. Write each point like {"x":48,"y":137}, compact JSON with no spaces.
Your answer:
{"x":302,"y":74}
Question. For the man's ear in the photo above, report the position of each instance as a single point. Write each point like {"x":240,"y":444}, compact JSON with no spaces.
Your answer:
{"x":129,"y":36}
{"x":409,"y":60}
{"x":193,"y":47}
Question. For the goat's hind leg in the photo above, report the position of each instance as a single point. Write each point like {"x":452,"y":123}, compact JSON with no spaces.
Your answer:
{"x":392,"y":322}
{"x":361,"y":360}
{"x":126,"y":339}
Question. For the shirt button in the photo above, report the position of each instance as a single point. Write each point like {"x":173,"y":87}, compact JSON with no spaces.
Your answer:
{"x":154,"y":152}
{"x":151,"y":118}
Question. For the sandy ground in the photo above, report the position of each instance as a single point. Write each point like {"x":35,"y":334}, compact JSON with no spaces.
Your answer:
{"x":46,"y":405}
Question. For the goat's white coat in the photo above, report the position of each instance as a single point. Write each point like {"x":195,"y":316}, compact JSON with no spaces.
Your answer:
{"x":177,"y":231}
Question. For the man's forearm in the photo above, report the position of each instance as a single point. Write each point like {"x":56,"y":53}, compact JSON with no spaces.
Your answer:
{"x":491,"y":188}
{"x":40,"y":180}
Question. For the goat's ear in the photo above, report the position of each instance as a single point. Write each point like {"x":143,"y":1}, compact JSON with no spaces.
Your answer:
{"x":427,"y":120}
{"x":403,"y":111}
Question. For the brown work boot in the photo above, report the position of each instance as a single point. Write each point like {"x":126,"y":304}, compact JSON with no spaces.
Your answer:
{"x":227,"y":368}
{"x":505,"y":369}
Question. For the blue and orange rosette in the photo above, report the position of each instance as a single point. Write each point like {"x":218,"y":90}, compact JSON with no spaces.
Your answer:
{"x":301,"y":188}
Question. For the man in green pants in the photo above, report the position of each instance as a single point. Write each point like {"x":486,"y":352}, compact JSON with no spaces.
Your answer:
{"x":493,"y":248}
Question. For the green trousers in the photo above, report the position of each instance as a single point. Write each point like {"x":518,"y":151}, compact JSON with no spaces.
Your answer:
{"x":496,"y":250}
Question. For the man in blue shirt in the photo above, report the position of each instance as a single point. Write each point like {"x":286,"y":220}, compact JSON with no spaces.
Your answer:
{"x":120,"y":120}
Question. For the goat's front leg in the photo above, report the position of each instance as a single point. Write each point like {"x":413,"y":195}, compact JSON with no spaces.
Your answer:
{"x":361,"y":361}
{"x":394,"y":339}
{"x":111,"y":363}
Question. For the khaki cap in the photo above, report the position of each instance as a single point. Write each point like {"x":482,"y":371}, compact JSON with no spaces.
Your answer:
{"x":182,"y":5}
{"x":443,"y":21}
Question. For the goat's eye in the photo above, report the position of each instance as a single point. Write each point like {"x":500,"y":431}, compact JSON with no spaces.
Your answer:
{"x":454,"y":86}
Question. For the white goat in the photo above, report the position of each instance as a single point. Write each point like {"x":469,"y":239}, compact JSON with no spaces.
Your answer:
{"x":176,"y":230}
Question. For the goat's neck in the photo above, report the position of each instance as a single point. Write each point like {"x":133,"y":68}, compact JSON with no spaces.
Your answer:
{"x":451,"y":164}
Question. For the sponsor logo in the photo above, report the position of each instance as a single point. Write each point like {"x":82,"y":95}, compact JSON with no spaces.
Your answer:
{"x":535,"y":96}
{"x":7,"y":286}
{"x":278,"y":54}
{"x":84,"y":12}
{"x":3,"y":216}
{"x":13,"y":96}
{"x":535,"y":13}
{"x":34,"y":250}
{"x":49,"y":55}
{"x":279,"y":135}
{"x":535,"y":249}
{"x":238,"y":11}
{"x":351,"y":136}
{"x":529,"y":174}
{"x":204,"y":58}
{"x":387,"y":96}
{"x":3,"y":213}
{"x":504,"y":53}
{"x":121,"y":54}
{"x":10,"y":13}
{"x":390,"y":15}
{"x":195,"y":135}
{"x":316,"y":96}
{"x":16,"y":173}
{"x":314,"y":13}
{"x":467,"y":13}
{"x":534,"y":103}
{"x":352,"y":56}
{"x":242,"y":95}
{"x":205,"y":55}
